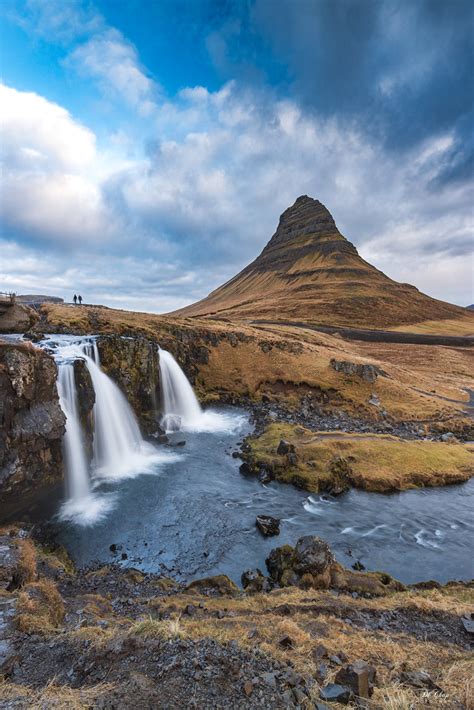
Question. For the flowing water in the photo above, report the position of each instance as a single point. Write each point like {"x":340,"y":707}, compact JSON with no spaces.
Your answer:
{"x":119,"y":450}
{"x":196,"y":515}
{"x":180,"y":407}
{"x":78,"y":482}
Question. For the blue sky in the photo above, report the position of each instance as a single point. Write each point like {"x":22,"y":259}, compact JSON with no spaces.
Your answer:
{"x":149,"y":147}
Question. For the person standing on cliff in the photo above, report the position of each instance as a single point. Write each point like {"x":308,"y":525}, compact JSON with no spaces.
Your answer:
{"x":75,"y":299}
{"x":80,"y":300}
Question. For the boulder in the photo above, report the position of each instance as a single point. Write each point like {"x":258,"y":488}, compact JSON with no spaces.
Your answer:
{"x":267,"y":525}
{"x":468,"y":623}
{"x":335,"y":693}
{"x":359,"y":677}
{"x":284,"y":448}
{"x":220,"y":584}
{"x":374,"y":400}
{"x":245,"y":469}
{"x":308,"y":564}
{"x":253,"y":580}
{"x":420,"y":680}
{"x":312,"y":555}
{"x":280,"y":561}
{"x":366,"y":371}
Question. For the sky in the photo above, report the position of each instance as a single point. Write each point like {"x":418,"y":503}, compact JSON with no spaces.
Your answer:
{"x":148,"y":147}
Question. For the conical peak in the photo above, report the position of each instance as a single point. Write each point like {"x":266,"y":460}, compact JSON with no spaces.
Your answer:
{"x":305,"y":216}
{"x":305,"y":206}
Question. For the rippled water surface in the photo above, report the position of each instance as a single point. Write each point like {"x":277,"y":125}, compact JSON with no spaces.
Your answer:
{"x":196,"y":517}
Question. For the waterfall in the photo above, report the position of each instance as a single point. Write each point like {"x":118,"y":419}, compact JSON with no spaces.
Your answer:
{"x":180,"y":407}
{"x":178,"y":398}
{"x":77,"y":474}
{"x":118,"y":447}
{"x":117,"y":440}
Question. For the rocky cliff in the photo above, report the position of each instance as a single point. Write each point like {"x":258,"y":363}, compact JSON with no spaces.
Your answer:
{"x":310,"y":272}
{"x":133,"y":364}
{"x":31,"y":421}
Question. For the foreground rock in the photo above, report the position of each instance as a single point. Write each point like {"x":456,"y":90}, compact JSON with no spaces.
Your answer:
{"x":31,"y":422}
{"x":311,"y":564}
{"x":359,"y":677}
{"x":366,"y":371}
{"x":268,"y":525}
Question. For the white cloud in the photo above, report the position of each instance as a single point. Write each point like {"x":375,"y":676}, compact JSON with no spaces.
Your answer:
{"x":39,"y":133}
{"x":113,"y":61}
{"x":47,"y":163}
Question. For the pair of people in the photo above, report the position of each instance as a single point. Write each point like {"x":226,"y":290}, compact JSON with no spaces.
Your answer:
{"x":76,"y":299}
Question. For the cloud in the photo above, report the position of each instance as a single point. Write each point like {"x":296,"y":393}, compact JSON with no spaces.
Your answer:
{"x":113,"y":62}
{"x":48,"y":159}
{"x":61,"y":22}
{"x":118,"y":282}
{"x":400,"y":70}
{"x":93,"y":49}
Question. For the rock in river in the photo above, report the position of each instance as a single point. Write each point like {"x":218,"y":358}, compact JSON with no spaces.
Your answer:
{"x":267,"y":525}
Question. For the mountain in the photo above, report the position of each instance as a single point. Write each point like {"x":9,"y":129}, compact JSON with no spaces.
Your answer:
{"x":310,"y":272}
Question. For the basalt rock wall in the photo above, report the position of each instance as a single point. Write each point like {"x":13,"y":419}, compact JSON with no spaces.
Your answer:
{"x":133,"y":365}
{"x":31,"y":421}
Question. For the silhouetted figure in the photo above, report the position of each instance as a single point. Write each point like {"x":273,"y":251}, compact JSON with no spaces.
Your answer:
{"x":75,"y":299}
{"x":80,"y":300}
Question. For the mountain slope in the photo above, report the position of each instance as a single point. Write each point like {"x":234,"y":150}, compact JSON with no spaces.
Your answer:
{"x":309,"y":272}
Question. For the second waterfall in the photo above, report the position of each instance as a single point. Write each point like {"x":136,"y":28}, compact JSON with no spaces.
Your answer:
{"x":180,"y":407}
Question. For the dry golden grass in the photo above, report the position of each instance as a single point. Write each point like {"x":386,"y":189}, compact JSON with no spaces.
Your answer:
{"x":398,"y":697}
{"x":318,"y":617}
{"x":378,"y":462}
{"x":461,"y":326}
{"x":56,"y":558}
{"x":59,"y":697}
{"x":40,"y":607}
{"x":298,"y":362}
{"x":26,"y":570}
{"x":156,"y":628}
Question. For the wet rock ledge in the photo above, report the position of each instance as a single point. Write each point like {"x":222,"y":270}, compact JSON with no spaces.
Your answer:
{"x":31,"y":422}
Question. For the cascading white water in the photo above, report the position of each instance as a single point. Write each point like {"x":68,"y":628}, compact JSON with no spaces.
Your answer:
{"x":118,"y":447}
{"x":180,"y":406}
{"x":178,"y":398}
{"x":117,"y":438}
{"x":77,"y":474}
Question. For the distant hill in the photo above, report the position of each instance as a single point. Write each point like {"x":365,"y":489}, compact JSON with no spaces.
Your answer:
{"x":471,"y":307}
{"x":310,"y":272}
{"x":37,"y":299}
